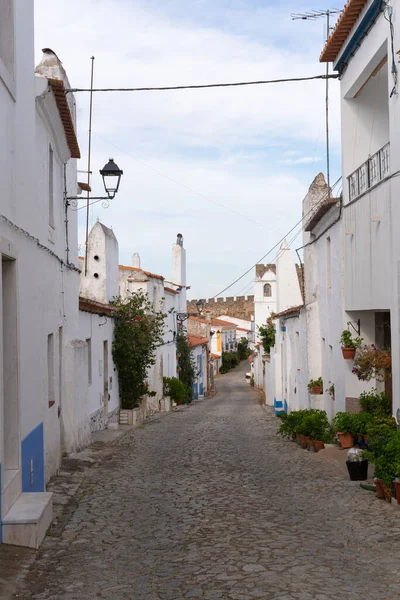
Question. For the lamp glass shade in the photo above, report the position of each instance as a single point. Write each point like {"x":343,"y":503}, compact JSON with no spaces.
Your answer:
{"x":111,"y":174}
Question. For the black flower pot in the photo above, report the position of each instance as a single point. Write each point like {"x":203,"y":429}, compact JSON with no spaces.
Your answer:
{"x":358,"y":470}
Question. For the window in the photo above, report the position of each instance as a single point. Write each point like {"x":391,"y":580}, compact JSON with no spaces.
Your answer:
{"x":267,"y":290}
{"x":298,"y":361}
{"x":328,"y":264}
{"x":50,"y":369}
{"x":89,"y":345}
{"x":51,"y":187}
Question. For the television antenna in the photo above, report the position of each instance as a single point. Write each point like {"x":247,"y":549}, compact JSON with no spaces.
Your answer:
{"x":313,"y":15}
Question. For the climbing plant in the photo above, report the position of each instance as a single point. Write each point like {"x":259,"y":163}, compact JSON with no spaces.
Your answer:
{"x":138,"y":331}
{"x":267,"y":334}
{"x":243,"y":350}
{"x":187,"y":371}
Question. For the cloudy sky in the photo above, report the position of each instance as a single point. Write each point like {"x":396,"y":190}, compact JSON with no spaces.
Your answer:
{"x":227,"y":168}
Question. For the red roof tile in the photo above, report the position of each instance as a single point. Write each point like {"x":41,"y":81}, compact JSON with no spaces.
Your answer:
{"x":344,"y":25}
{"x":242,"y":329}
{"x":58,"y":89}
{"x":289,"y":311}
{"x":87,"y":305}
{"x":153,"y":275}
{"x":170,"y":290}
{"x":195,"y":341}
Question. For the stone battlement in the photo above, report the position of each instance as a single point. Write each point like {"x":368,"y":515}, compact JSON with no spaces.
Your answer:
{"x":240,"y":307}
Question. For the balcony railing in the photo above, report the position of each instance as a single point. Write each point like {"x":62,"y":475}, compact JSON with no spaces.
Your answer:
{"x":376,"y":168}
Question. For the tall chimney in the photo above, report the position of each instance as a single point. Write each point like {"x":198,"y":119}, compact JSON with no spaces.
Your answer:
{"x":179,"y":269}
{"x":136,"y":260}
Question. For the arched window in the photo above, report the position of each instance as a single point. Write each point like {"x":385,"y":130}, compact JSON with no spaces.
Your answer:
{"x":267,"y":290}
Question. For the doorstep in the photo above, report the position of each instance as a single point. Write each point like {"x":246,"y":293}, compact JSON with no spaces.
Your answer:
{"x":27,"y":521}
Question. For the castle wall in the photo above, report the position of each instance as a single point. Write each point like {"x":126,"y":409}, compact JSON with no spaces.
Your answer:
{"x":241,"y":307}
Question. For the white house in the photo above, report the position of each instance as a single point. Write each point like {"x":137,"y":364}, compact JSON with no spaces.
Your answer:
{"x":170,"y":297}
{"x":360,"y":48}
{"x":200,"y":355}
{"x":270,"y":371}
{"x":38,"y":274}
{"x":245,"y":329}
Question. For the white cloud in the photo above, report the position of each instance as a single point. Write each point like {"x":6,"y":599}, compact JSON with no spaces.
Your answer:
{"x":237,"y":146}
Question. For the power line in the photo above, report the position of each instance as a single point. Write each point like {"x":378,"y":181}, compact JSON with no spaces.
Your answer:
{"x":280,"y":241}
{"x":183,"y":185}
{"x":196,"y":87}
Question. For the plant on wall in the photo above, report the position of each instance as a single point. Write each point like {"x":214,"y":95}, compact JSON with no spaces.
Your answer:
{"x":138,"y":331}
{"x":243,"y":350}
{"x":186,"y":366}
{"x":371,"y":362}
{"x":267,"y":334}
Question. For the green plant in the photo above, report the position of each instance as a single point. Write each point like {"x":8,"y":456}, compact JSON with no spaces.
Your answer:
{"x":229,"y":361}
{"x":186,"y":365}
{"x":267,"y":335}
{"x":344,"y":422}
{"x":347,"y":340}
{"x":361,"y":422}
{"x":374,"y":403}
{"x":331,"y":389}
{"x":386,"y":457}
{"x":138,"y":330}
{"x":371,"y":362}
{"x":174,"y":388}
{"x":318,"y":425}
{"x":315,"y":383}
{"x":243,"y":350}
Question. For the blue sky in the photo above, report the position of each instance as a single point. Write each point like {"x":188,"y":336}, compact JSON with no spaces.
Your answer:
{"x":193,"y":160}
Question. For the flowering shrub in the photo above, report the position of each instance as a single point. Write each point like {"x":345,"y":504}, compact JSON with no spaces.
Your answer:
{"x":371,"y":362}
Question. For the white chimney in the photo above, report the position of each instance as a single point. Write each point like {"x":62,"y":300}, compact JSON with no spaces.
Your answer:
{"x":136,"y":260}
{"x":179,"y":269}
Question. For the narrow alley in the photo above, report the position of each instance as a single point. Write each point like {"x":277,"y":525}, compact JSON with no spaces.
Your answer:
{"x":209,"y":503}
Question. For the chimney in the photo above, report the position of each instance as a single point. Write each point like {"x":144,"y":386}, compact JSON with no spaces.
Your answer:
{"x":136,"y":260}
{"x":179,"y":269}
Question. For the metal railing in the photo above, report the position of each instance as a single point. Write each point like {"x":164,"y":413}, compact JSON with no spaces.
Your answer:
{"x":375,"y":169}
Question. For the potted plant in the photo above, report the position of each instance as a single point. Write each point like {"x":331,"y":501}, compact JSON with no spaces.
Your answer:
{"x":372,"y":362}
{"x":331,"y":390}
{"x":343,"y":424}
{"x":315,"y":386}
{"x":384,"y":453}
{"x":375,"y":404}
{"x":357,"y":465}
{"x":318,"y":429}
{"x":349,"y":344}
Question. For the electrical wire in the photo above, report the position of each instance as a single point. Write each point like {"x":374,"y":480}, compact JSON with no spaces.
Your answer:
{"x":201,"y":86}
{"x":328,"y":193}
{"x":183,"y":185}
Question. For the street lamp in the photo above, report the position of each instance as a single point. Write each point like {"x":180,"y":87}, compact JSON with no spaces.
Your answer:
{"x":111,"y":174}
{"x":182,"y":316}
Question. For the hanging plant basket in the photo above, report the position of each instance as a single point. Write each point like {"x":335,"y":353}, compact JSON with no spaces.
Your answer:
{"x":348,"y":353}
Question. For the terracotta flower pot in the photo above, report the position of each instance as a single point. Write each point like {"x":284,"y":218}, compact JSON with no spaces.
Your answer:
{"x":397,"y":485}
{"x":315,"y":390}
{"x":293,"y":436}
{"x":348,"y":353}
{"x":308,"y":442}
{"x":346,"y":440}
{"x":387,"y":491}
{"x":318,"y":445}
{"x":379,"y":489}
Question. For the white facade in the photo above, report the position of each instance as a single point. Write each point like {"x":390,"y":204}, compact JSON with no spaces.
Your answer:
{"x":38,"y":273}
{"x":244,"y":328}
{"x":199,"y":354}
{"x":370,"y":159}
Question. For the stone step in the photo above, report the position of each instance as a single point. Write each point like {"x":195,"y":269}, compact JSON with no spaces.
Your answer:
{"x":12,"y":488}
{"x":28,"y":519}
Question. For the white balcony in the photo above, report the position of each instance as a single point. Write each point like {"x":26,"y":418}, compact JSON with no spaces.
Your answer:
{"x":370,"y":173}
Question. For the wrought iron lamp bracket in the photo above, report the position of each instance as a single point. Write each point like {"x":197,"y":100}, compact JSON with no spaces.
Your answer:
{"x":352,"y":324}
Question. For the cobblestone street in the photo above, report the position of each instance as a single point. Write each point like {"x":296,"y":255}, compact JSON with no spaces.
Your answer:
{"x":207,"y":502}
